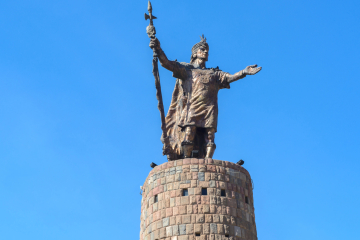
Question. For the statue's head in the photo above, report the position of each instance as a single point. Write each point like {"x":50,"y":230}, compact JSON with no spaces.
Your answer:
{"x":200,"y":50}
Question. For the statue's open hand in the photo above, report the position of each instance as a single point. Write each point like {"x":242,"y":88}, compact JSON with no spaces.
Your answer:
{"x":154,"y":43}
{"x":252,"y":69}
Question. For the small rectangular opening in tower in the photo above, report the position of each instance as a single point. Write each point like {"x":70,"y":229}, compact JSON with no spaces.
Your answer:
{"x":185,"y":192}
{"x":197,"y":234}
{"x":246,"y":200}
{"x":223,"y":194}
{"x":155,"y":198}
{"x":226,"y":235}
{"x":204,"y":191}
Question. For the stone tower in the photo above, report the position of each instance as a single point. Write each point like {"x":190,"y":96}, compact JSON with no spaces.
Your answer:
{"x":198,"y":199}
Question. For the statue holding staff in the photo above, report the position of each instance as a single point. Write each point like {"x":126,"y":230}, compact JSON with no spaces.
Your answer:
{"x":191,"y":122}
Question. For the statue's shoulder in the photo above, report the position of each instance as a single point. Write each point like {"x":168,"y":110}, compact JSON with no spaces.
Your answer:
{"x":216,"y":69}
{"x":185,"y":65}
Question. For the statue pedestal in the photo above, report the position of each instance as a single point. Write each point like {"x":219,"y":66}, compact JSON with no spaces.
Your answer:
{"x":198,"y":199}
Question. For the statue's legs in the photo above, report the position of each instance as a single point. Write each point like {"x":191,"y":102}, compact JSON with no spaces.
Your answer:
{"x":209,"y":139}
{"x":188,"y":143}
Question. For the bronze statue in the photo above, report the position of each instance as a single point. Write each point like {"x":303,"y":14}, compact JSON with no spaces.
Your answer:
{"x":191,"y":121}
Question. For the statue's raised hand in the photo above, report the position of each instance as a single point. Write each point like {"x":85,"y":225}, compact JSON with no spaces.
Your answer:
{"x":154,"y":43}
{"x":252,"y":69}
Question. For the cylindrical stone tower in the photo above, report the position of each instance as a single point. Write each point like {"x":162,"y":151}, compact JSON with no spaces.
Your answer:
{"x":198,"y":199}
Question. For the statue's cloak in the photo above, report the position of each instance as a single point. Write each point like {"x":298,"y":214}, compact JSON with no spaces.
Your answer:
{"x":194,"y":101}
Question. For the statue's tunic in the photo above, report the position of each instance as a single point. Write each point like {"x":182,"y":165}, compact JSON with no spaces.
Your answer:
{"x":194,"y":100}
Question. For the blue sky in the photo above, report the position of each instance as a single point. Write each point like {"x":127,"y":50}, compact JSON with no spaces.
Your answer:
{"x":79,"y":124}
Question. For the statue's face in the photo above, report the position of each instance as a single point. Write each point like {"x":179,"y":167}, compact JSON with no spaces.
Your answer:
{"x":203,"y":53}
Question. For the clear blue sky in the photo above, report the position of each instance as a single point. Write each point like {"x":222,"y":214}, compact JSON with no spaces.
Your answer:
{"x":79,"y":124}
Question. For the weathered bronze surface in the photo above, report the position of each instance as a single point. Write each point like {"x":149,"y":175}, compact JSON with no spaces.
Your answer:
{"x":191,"y":122}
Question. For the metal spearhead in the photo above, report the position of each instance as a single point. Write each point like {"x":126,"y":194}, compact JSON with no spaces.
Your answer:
{"x":150,"y":30}
{"x":150,"y":16}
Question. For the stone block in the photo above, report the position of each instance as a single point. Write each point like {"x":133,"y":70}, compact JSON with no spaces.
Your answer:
{"x":189,"y":175}
{"x":186,"y":168}
{"x":169,"y":212}
{"x":163,"y":213}
{"x":178,"y":201}
{"x":185,"y":200}
{"x":162,"y":233}
{"x":189,"y":209}
{"x":178,"y":220}
{"x":177,"y":177}
{"x":213,"y":228}
{"x":186,"y":219}
{"x":189,"y":229}
{"x":195,"y":209}
{"x":211,"y":168}
{"x":202,"y":168}
{"x":211,"y":191}
{"x":200,"y":218}
{"x":187,"y":161}
{"x":198,"y":199}
{"x":208,"y":218}
{"x":182,"y":228}
{"x":191,"y":191}
{"x":169,"y":231}
{"x":198,"y":228}
{"x":207,"y":176}
{"x":206,"y":208}
{"x":197,"y":191}
{"x":192,"y":199}
{"x":194,"y":168}
{"x":185,"y":237}
{"x":159,"y":224}
{"x":194,"y":183}
{"x":212,"y":209}
{"x":175,"y":211}
{"x":209,"y":161}
{"x":237,"y":231}
{"x":216,"y":218}
{"x":156,"y":234}
{"x":166,"y":222}
{"x":194,"y":161}
{"x":175,"y":230}
{"x":205,"y":199}
{"x":220,"y":228}
{"x":193,"y":218}
{"x":213,"y":200}
{"x":178,"y":193}
{"x":179,"y":169}
{"x":206,"y":228}
{"x":182,"y":210}
{"x":182,"y":186}
{"x":201,"y":176}
{"x":226,"y":229}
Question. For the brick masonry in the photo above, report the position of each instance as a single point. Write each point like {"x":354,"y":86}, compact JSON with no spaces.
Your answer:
{"x":167,"y":214}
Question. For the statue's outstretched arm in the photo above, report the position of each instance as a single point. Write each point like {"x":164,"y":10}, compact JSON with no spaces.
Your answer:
{"x":164,"y":61}
{"x":249,"y":70}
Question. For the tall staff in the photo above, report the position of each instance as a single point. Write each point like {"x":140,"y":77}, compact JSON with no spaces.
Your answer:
{"x":150,"y":30}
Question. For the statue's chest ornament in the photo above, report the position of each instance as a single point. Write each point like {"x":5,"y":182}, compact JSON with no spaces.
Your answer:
{"x":204,"y":77}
